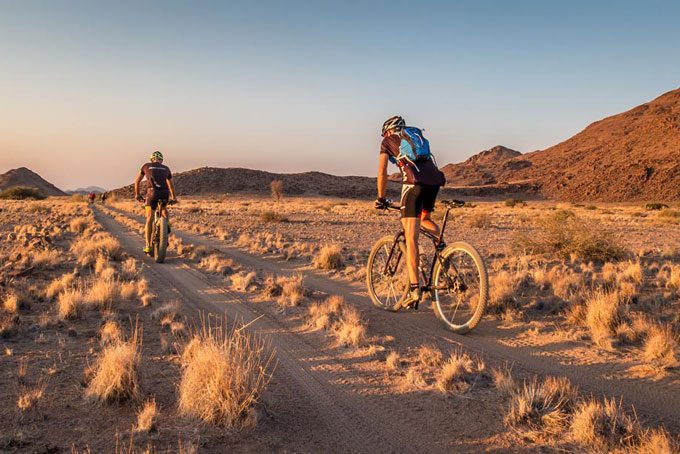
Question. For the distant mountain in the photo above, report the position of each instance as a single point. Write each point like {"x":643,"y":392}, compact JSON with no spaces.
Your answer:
{"x":632,"y":156}
{"x":87,"y":190}
{"x":479,"y":169}
{"x":25,"y":177}
{"x":212,"y":180}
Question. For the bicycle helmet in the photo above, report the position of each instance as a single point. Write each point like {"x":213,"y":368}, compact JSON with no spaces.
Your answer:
{"x":156,"y":156}
{"x":395,"y":122}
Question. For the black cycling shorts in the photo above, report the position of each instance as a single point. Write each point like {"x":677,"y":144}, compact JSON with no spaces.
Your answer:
{"x":153,"y":198}
{"x":417,"y":199}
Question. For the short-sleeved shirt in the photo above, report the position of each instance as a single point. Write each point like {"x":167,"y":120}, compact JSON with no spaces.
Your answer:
{"x":157,"y":176}
{"x":426,"y":173}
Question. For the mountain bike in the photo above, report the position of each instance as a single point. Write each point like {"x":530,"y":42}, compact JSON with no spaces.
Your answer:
{"x":456,"y":278}
{"x":160,"y":232}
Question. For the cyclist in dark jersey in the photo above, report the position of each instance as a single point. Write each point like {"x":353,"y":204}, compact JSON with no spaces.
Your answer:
{"x":420,"y":185}
{"x":159,"y":189}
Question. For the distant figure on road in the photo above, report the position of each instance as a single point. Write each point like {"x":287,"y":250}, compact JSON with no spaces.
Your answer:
{"x":103,"y":197}
{"x":159,"y":189}
{"x":91,"y":197}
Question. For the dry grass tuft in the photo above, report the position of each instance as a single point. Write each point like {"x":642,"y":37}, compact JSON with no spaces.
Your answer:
{"x":323,"y":315}
{"x":224,"y":373}
{"x":146,"y":417}
{"x":11,"y":303}
{"x":504,"y":380}
{"x":216,"y":264}
{"x":458,"y":373}
{"x":660,"y":347}
{"x":46,"y":259}
{"x":540,"y":410}
{"x":292,"y":291}
{"x":350,"y":330}
{"x":160,"y":312}
{"x":88,"y":249}
{"x":128,"y":269}
{"x":78,"y":225}
{"x":658,"y":441}
{"x":393,"y":361}
{"x":604,"y":426}
{"x":60,"y":284}
{"x":103,"y":293}
{"x":110,"y":333}
{"x":329,"y":258}
{"x":29,"y":396}
{"x":429,"y":356}
{"x":603,"y":314}
{"x":115,"y":370}
{"x":69,"y":303}
{"x":242,"y":280}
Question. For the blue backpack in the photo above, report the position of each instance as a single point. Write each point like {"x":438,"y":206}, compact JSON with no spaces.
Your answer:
{"x":413,"y":147}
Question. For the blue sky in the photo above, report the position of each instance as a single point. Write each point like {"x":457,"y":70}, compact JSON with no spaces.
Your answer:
{"x":90,"y":88}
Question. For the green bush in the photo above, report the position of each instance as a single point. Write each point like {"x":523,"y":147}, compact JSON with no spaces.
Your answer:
{"x":22,"y":193}
{"x":655,"y":206}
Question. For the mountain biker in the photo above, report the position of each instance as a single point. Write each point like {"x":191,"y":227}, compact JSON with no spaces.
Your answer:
{"x":159,"y":190}
{"x":420,"y":185}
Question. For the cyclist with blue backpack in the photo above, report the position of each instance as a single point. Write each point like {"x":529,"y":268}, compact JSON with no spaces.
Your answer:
{"x":406,"y":147}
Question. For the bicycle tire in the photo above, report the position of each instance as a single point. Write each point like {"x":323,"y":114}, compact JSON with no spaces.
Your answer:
{"x":483,"y":294}
{"x":380,"y":248}
{"x":162,"y":245}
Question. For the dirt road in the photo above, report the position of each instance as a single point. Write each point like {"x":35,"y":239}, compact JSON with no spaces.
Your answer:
{"x":322,"y":403}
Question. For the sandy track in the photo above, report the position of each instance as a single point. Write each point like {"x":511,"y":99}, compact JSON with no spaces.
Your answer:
{"x":655,"y":402}
{"x":316,"y":401}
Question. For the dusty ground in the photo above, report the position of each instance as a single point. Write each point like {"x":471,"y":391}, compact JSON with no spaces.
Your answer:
{"x":364,"y":384}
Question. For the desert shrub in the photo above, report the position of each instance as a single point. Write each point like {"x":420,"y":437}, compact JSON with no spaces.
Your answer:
{"x":146,"y":416}
{"x":658,"y":441}
{"x":393,"y":361}
{"x":216,"y":264}
{"x":329,"y":258}
{"x":350,"y":329}
{"x":671,"y":215}
{"x":224,"y":373}
{"x":514,"y":202}
{"x":503,"y":380}
{"x":79,"y":224}
{"x":660,"y":347}
{"x":11,"y":303}
{"x":114,"y":375}
{"x":88,"y":249}
{"x":429,"y":356}
{"x":540,"y":410}
{"x":110,"y":333}
{"x":69,"y":303}
{"x":565,"y":235}
{"x":242,"y":280}
{"x":22,"y":193}
{"x":292,"y":291}
{"x":590,"y":207}
{"x":604,"y":426}
{"x":60,"y":284}
{"x":273,"y":216}
{"x":655,"y":206}
{"x":603,"y":314}
{"x":30,"y":395}
{"x":480,"y":220}
{"x":276,"y":187}
{"x":46,"y":259}
{"x":323,"y":315}
{"x":458,"y":373}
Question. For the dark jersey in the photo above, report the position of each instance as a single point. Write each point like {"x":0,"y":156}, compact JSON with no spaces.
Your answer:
{"x":157,"y":176}
{"x":424,"y":172}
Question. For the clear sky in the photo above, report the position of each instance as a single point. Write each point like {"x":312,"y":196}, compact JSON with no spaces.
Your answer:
{"x":88,"y":89}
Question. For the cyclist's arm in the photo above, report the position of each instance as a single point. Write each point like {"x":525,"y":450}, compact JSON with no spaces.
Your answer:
{"x":382,"y":175}
{"x":171,"y":186}
{"x":138,"y":180}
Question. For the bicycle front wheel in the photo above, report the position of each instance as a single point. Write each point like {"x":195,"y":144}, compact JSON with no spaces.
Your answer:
{"x":460,"y":287}
{"x":386,"y":274}
{"x":161,"y":246}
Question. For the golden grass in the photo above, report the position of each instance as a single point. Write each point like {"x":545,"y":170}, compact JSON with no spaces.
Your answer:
{"x":323,"y":315}
{"x":660,"y":347}
{"x":69,"y":303}
{"x":292,"y":291}
{"x":350,"y":329}
{"x":604,"y":426}
{"x":60,"y":284}
{"x":224,"y":373}
{"x":79,"y":224}
{"x":29,"y":396}
{"x":242,"y":281}
{"x":103,"y":293}
{"x":503,"y":380}
{"x":216,"y":264}
{"x":603,"y":314}
{"x":46,"y":259}
{"x":110,"y":333}
{"x":114,"y":375}
{"x":540,"y":410}
{"x":458,"y":373}
{"x":11,"y":303}
{"x":128,"y":269}
{"x":429,"y":356}
{"x":658,"y":441}
{"x":146,"y":416}
{"x":329,"y":258}
{"x":393,"y":361}
{"x":87,"y":249}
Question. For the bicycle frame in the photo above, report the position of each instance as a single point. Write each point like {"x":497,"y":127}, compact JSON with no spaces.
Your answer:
{"x":435,"y":241}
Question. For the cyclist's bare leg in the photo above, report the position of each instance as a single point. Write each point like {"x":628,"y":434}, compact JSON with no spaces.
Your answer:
{"x":426,"y":223}
{"x":411,"y":232}
{"x":148,"y":225}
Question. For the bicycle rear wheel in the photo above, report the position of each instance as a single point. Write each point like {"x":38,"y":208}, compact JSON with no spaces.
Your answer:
{"x":161,"y":245}
{"x":386,"y":274}
{"x":460,"y":287}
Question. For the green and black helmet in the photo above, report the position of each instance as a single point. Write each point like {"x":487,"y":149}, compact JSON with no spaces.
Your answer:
{"x":156,"y":156}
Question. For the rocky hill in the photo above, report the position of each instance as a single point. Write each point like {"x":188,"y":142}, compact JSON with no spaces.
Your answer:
{"x":86,"y":190}
{"x":26,"y":177}
{"x":479,"y":169}
{"x":212,"y":180}
{"x":632,"y":156}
